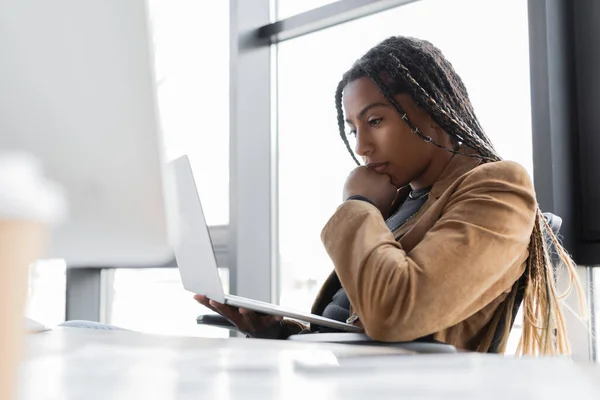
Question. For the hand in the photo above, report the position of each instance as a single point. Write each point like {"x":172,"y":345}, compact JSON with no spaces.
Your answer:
{"x":374,"y":186}
{"x":251,"y":323}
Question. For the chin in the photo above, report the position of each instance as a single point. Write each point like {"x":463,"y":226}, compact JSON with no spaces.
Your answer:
{"x":397,"y":182}
{"x":398,"y":185}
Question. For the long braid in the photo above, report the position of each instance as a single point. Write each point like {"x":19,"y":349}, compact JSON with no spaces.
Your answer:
{"x":407,"y":65}
{"x":340,"y":120}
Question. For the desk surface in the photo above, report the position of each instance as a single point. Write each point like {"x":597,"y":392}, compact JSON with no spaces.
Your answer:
{"x":87,"y":364}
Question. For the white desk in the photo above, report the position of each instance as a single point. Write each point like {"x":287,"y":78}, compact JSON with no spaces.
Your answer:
{"x":87,"y":364}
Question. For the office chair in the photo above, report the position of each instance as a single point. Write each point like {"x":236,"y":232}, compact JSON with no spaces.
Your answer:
{"x":426,"y":345}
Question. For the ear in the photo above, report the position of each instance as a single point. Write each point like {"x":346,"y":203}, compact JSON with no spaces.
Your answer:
{"x":434,"y":130}
{"x":439,"y":134}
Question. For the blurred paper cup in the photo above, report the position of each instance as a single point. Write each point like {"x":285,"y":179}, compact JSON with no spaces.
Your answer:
{"x":30,"y":206}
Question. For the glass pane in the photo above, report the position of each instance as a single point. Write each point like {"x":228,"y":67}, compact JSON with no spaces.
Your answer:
{"x":515,"y":334}
{"x":313,"y":163}
{"x":47,"y":292}
{"x":191,"y":40}
{"x":154,"y":301}
{"x":288,"y":8}
{"x":192,"y":65}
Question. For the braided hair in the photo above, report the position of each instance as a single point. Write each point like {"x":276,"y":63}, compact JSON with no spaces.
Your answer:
{"x":404,"y":65}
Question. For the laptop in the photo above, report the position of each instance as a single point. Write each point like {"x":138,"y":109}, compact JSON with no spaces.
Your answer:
{"x":197,"y":262}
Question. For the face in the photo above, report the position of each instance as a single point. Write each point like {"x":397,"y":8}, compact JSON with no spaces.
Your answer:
{"x":383,"y":139}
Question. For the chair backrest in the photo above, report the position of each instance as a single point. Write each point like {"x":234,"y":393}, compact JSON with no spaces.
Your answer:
{"x":555,"y":222}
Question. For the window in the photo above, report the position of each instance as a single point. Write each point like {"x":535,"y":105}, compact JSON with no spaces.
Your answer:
{"x":289,"y":8}
{"x":191,"y":41}
{"x":47,"y":292}
{"x":492,"y":59}
{"x":154,"y":301}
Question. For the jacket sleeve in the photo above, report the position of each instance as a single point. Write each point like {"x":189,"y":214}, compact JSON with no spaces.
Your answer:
{"x":462,"y":264}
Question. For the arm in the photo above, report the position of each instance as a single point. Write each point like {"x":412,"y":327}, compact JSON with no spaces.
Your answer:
{"x":461,"y":265}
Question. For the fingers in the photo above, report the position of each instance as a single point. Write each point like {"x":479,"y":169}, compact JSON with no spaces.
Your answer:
{"x":228,"y":312}
{"x":259,"y":322}
{"x":400,"y":197}
{"x":205,"y":302}
{"x":245,"y":323}
{"x":245,"y":311}
{"x":225,"y":310}
{"x":201,"y":299}
{"x":246,"y":320}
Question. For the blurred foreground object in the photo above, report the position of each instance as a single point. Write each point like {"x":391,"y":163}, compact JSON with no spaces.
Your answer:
{"x":78,"y":92}
{"x":29,"y":207}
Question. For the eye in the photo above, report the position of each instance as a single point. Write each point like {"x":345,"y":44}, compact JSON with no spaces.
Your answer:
{"x":375,"y":121}
{"x":351,"y":132}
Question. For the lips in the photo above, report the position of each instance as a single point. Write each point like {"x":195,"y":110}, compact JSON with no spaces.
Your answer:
{"x":377,"y":167}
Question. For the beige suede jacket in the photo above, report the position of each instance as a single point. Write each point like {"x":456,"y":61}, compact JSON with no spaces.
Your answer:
{"x":446,"y":270}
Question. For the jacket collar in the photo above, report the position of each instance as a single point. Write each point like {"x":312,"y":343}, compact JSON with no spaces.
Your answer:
{"x":458,"y":165}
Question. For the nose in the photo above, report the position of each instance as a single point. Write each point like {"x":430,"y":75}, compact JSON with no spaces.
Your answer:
{"x":364,"y":146}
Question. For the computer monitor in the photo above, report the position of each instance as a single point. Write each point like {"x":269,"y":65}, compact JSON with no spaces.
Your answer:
{"x":77,"y":90}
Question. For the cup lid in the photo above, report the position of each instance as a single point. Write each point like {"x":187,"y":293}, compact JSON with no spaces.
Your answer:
{"x":25,"y":193}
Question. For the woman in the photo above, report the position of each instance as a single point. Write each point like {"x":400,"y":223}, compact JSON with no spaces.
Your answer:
{"x":435,"y":230}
